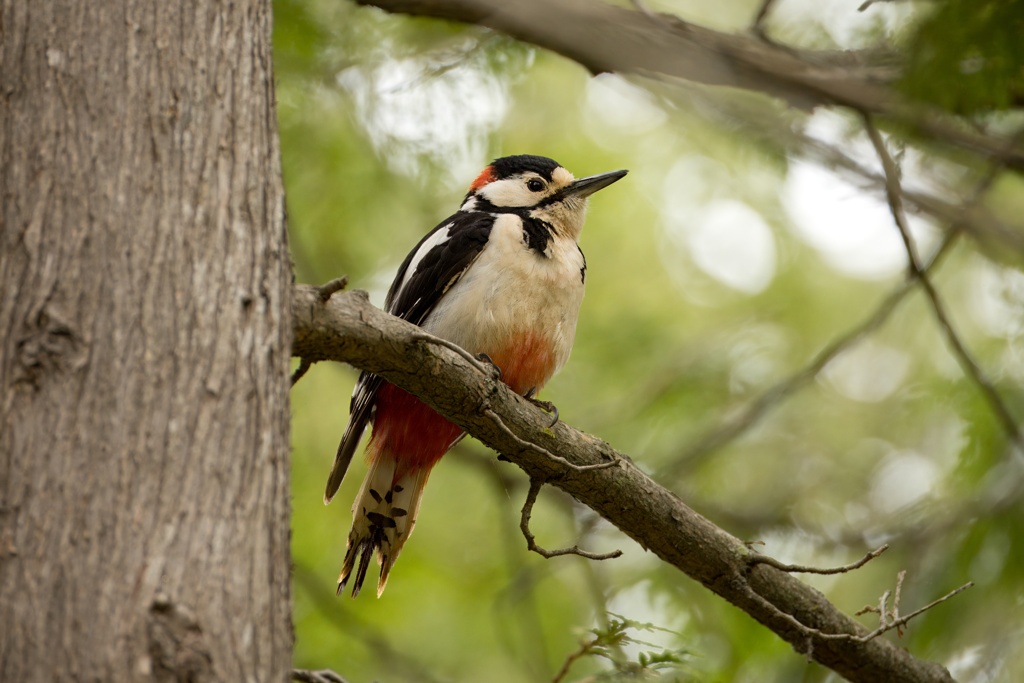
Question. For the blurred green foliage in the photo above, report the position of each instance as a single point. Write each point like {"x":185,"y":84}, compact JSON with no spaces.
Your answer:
{"x":968,"y":56}
{"x":721,"y":266}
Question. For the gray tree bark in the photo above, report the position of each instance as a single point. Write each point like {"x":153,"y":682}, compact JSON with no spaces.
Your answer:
{"x":144,"y":342}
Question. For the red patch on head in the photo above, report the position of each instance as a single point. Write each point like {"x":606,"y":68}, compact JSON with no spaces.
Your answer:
{"x":486,"y":176}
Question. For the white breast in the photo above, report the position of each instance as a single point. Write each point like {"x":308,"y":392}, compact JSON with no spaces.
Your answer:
{"x":511,"y":289}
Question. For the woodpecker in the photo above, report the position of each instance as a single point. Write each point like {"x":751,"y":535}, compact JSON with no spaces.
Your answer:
{"x":503,"y":278}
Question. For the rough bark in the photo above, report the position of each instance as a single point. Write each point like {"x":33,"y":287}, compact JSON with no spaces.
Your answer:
{"x":349,"y":329}
{"x":145,"y":309}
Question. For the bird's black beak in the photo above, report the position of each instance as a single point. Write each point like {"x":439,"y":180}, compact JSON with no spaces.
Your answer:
{"x":584,"y":187}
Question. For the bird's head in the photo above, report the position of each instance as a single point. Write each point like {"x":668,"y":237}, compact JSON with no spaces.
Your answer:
{"x":537,"y":187}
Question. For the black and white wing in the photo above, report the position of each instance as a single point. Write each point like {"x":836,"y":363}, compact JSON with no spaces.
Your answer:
{"x":430,"y":269}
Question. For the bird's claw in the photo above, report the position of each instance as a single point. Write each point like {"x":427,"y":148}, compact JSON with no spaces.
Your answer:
{"x":546,"y":406}
{"x":483,"y":357}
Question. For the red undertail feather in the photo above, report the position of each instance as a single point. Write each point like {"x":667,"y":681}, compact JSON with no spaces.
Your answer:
{"x":408,"y":439}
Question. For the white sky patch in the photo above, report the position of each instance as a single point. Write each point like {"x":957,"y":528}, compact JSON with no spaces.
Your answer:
{"x":902,"y":479}
{"x":997,"y":297}
{"x":732,"y":243}
{"x":972,"y":663}
{"x":850,"y":226}
{"x":619,"y":104}
{"x":415,"y":108}
{"x":726,"y":238}
{"x":754,"y":358}
{"x":841,"y":20}
{"x":852,"y":230}
{"x":869,"y":372}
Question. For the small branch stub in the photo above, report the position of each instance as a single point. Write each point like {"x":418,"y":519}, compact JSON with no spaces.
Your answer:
{"x":329,"y":289}
{"x":304,"y":365}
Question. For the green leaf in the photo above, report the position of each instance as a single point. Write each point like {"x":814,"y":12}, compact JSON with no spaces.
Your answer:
{"x":968,"y":56}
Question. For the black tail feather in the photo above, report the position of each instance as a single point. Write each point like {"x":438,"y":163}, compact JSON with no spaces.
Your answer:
{"x":358,"y":555}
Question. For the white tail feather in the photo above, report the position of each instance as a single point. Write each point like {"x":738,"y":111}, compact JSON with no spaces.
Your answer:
{"x":383,"y":517}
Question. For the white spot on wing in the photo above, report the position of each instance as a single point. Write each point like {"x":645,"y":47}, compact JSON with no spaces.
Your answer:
{"x":438,"y":238}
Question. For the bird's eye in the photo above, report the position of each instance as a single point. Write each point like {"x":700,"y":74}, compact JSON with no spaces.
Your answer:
{"x":535,"y":184}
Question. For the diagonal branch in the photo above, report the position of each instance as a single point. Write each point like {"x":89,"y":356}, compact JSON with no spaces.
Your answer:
{"x":606,"y":38}
{"x":894,"y":195}
{"x":348,"y":329}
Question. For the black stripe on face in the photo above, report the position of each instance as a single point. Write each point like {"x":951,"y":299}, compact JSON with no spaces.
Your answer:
{"x":562,"y":195}
{"x":537,"y":234}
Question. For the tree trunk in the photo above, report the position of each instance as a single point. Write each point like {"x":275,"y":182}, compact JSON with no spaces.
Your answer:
{"x":144,"y":343}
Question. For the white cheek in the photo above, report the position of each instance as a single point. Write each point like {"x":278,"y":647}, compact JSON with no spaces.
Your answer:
{"x":508,"y":193}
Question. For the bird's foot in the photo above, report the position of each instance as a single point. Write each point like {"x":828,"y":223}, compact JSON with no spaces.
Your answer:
{"x":483,"y":357}
{"x":546,"y":406}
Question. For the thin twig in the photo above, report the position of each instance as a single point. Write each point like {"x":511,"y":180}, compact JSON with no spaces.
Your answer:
{"x":886,"y":617}
{"x":304,"y":365}
{"x":896,"y":600}
{"x":894,"y":195}
{"x":902,"y":621}
{"x":583,"y":649}
{"x":470,"y":358}
{"x":460,"y":57}
{"x":531,"y":543}
{"x":868,"y":3}
{"x":801,"y":569}
{"x":769,"y":606}
{"x":321,"y":676}
{"x":329,"y":289}
{"x":887,"y":625}
{"x":761,"y":17}
{"x":543,"y":451}
{"x":732,"y":428}
{"x":644,"y":9}
{"x":872,"y":609}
